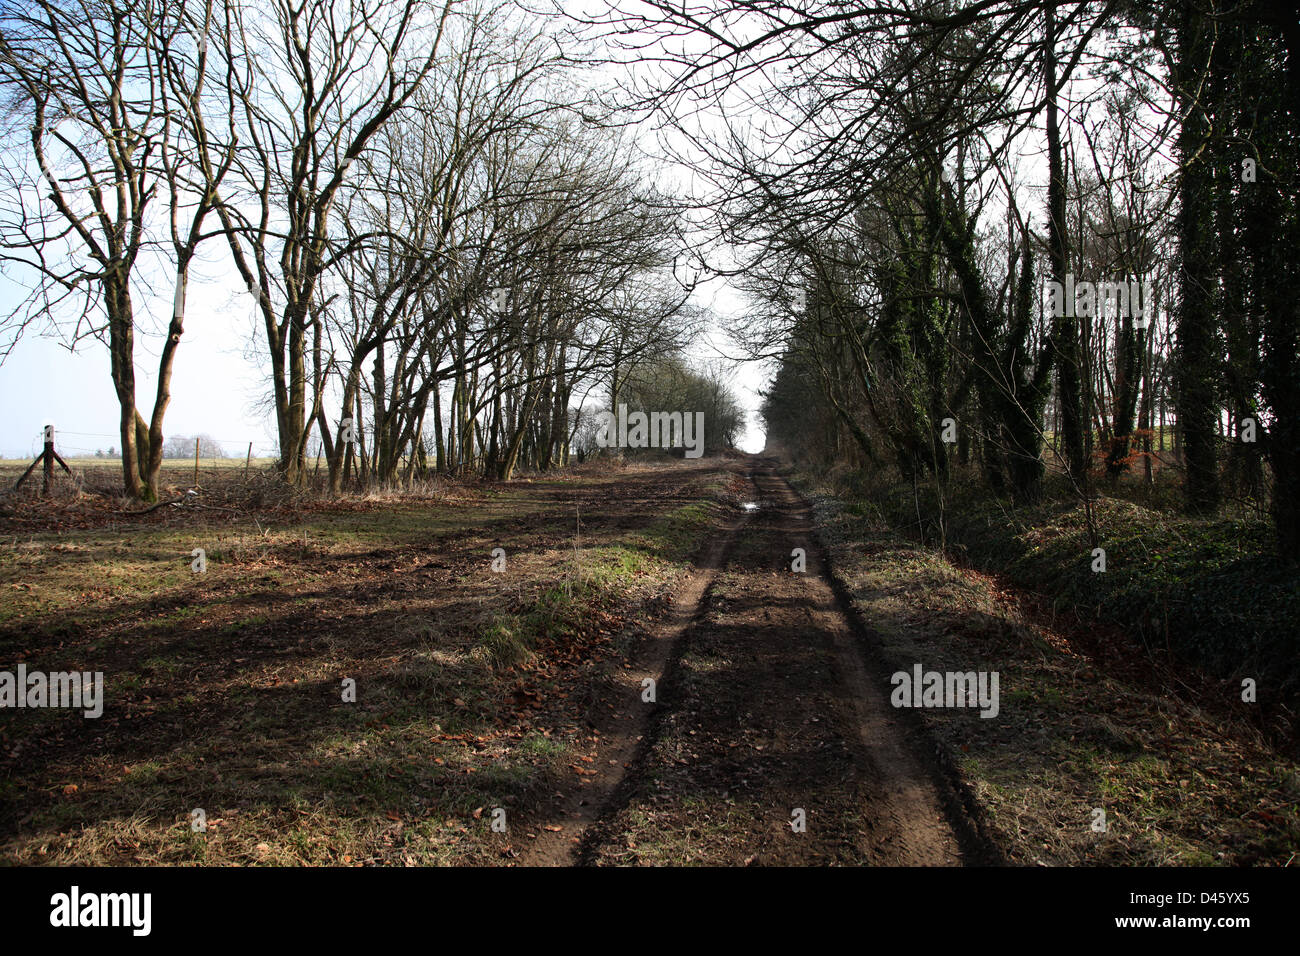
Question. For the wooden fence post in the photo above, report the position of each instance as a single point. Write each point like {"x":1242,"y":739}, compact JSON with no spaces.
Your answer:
{"x":49,"y":456}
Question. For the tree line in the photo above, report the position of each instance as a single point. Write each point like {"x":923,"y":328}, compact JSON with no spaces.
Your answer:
{"x":442,"y":248}
{"x":1009,"y":235}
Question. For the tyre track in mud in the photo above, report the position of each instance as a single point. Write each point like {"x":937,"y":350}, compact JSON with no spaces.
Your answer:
{"x":772,"y":741}
{"x":557,"y":831}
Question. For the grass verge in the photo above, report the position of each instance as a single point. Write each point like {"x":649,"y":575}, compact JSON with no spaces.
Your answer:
{"x":1182,"y":779}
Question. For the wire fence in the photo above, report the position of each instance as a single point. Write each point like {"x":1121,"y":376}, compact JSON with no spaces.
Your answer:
{"x":74,"y":444}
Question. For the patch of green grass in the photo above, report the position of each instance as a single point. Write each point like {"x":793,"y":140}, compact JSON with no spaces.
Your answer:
{"x":677,"y":533}
{"x":161,"y":666}
{"x":126,"y":683}
{"x":595,"y":577}
{"x":243,"y":623}
{"x":538,"y":745}
{"x":508,"y":641}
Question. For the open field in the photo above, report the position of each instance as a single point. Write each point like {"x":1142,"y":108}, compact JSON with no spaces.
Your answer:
{"x":224,"y":688}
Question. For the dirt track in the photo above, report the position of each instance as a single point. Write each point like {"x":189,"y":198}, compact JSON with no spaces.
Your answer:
{"x":768,"y":714}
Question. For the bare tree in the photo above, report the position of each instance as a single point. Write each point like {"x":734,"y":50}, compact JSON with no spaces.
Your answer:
{"x":313,"y":82}
{"x":94,"y":87}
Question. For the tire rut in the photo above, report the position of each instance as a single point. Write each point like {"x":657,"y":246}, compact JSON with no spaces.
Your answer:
{"x":561,"y":831}
{"x":772,"y":741}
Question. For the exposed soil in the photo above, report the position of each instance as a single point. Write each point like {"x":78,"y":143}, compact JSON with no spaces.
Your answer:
{"x":770,"y":742}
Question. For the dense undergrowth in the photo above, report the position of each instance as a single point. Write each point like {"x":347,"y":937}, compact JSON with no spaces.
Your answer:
{"x":1210,"y":590}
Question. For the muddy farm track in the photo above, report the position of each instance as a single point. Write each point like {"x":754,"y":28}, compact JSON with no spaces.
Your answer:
{"x":770,"y":739}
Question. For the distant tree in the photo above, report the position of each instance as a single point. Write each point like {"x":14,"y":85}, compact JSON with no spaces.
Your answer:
{"x":182,"y":446}
{"x":668,"y":384}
